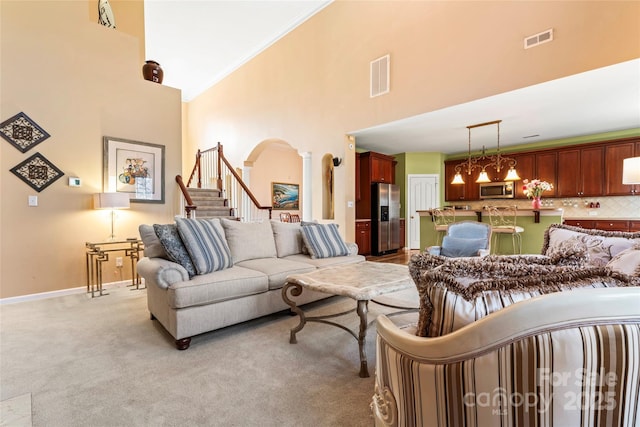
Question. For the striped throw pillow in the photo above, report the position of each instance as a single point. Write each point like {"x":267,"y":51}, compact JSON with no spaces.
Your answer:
{"x":205,"y":243}
{"x":323,"y":240}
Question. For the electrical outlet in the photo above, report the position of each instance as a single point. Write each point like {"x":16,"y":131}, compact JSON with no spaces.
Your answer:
{"x":119,"y":261}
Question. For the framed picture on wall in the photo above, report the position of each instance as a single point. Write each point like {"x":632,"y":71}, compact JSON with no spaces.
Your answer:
{"x":285,"y":196}
{"x":135,"y":168}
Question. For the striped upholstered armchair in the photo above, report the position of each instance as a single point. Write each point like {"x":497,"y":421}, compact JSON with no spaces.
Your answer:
{"x":558,"y":359}
{"x":515,"y":340}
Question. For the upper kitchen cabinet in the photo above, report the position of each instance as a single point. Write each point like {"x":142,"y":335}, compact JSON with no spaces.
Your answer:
{"x":526,"y":168}
{"x":381,"y":167}
{"x":541,"y":165}
{"x":579,"y":172}
{"x":613,"y":159}
{"x":546,"y":167}
{"x":372,"y":167}
{"x":470,"y":190}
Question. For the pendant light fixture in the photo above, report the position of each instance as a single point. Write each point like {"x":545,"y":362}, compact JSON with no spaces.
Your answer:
{"x":495,"y":161}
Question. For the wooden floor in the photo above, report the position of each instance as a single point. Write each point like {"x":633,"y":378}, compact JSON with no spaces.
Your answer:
{"x":401,"y":257}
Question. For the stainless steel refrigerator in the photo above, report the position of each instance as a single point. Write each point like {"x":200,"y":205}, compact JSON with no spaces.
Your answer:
{"x":385,"y":218}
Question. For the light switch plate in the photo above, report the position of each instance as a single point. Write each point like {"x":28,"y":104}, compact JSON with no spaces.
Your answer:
{"x":33,"y":200}
{"x":593,"y":213}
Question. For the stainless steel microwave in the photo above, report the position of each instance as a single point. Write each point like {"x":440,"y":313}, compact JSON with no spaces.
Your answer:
{"x":497,"y":190}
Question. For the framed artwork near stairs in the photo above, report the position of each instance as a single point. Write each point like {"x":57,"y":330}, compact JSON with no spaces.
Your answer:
{"x":285,"y":196}
{"x":135,"y":168}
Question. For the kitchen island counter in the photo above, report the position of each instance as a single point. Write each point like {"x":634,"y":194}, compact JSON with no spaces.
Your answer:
{"x":534,"y":222}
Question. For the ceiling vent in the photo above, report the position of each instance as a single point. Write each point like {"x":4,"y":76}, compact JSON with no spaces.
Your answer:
{"x":538,"y":39}
{"x":380,"y":76}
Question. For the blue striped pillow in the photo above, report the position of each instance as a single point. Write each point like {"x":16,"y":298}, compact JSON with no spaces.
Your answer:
{"x":323,"y":240}
{"x":205,"y":243}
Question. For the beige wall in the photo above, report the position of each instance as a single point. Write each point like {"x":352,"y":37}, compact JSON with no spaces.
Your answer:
{"x":311,"y":88}
{"x":80,"y":81}
{"x":129,"y":17}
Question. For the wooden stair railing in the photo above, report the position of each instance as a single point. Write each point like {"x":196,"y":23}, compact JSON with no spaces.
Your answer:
{"x":189,"y":205}
{"x":212,"y":167}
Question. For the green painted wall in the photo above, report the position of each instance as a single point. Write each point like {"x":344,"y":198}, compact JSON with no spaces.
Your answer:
{"x":401,"y":179}
{"x":417,"y":163}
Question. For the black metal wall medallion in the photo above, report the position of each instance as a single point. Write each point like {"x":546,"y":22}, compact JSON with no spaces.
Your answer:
{"x":22,"y":132}
{"x":37,"y":172}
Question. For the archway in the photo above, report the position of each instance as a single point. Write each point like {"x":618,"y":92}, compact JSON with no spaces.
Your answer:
{"x":270,"y":164}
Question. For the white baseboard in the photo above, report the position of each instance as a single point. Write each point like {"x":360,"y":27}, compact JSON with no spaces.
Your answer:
{"x":62,"y":292}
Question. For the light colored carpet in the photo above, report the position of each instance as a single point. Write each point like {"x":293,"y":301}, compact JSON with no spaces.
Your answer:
{"x":102,"y":362}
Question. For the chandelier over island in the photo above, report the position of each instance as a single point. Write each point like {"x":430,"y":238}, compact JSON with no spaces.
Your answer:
{"x":494,"y":161}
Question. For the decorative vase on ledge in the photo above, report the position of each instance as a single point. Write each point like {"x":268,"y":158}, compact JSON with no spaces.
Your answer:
{"x":535,"y":203}
{"x":152,"y":71}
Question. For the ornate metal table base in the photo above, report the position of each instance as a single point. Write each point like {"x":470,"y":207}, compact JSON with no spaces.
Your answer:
{"x":362,"y":309}
{"x":98,"y":253}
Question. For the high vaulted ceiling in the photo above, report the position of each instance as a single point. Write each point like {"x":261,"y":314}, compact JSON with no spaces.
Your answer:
{"x":199,"y":42}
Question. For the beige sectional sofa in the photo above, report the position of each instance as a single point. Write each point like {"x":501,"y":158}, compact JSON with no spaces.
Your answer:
{"x":550,"y":339}
{"x":205,"y":274}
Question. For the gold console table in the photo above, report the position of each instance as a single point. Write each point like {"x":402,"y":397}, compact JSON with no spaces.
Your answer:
{"x":98,"y":253}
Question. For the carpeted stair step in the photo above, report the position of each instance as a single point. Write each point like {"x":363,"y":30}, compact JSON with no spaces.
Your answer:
{"x":208,"y":201}
{"x":213,"y":211}
{"x":206,"y":197}
{"x":210,"y":204}
{"x":205,"y":192}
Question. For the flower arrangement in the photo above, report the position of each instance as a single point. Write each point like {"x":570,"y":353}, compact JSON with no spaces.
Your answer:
{"x":535,"y":187}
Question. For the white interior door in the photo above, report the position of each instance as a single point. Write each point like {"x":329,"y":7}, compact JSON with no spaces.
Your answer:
{"x":423,"y":194}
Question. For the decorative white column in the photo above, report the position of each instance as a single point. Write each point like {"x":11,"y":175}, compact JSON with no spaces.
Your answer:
{"x":246,"y":175}
{"x":307,"y":184}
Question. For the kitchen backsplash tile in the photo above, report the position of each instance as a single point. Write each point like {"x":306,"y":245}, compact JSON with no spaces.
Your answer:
{"x":577,"y":207}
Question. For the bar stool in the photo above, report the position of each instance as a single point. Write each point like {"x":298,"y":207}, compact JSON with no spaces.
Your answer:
{"x":503,"y":221}
{"x":295,"y":218}
{"x":442,"y":218}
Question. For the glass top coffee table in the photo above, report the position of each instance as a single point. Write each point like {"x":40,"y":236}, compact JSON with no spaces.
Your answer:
{"x":361,"y":282}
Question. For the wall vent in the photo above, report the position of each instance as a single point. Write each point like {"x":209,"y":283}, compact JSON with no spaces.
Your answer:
{"x":380,"y":76}
{"x":538,"y":39}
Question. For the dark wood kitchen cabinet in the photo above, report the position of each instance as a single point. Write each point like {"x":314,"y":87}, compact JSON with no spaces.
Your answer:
{"x":470,"y":190}
{"x":377,"y":167}
{"x":540,"y":166}
{"x":363,"y":237}
{"x":605,"y":224}
{"x":580,"y":223}
{"x":546,"y":170}
{"x":613,"y":160}
{"x":526,"y":168}
{"x":612,"y":225}
{"x":382,"y":169}
{"x":372,"y":168}
{"x":580,"y":172}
